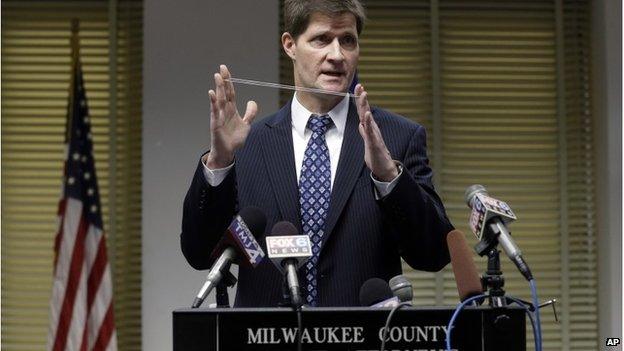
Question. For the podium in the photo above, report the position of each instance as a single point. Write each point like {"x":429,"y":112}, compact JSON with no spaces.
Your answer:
{"x":348,"y":329}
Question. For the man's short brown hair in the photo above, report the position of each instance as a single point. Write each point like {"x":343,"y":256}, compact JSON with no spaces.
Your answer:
{"x":297,"y":13}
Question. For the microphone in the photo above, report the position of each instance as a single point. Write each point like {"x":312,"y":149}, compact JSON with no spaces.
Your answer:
{"x":464,"y":268}
{"x":289,"y":251}
{"x":375,"y":292}
{"x":401,"y":288}
{"x":490,"y":215}
{"x":238,"y":246}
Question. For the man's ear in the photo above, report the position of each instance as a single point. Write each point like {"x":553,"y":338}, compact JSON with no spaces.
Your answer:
{"x":289,"y":45}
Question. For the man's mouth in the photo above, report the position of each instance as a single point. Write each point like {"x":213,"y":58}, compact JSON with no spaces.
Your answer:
{"x":333,"y":73}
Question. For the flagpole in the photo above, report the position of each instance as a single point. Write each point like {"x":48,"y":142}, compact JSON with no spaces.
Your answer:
{"x":82,"y":277}
{"x":112,"y":145}
{"x":75,"y":57}
{"x":75,"y":28}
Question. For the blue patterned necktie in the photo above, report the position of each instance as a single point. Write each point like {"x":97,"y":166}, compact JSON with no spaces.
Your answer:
{"x":314,"y":196}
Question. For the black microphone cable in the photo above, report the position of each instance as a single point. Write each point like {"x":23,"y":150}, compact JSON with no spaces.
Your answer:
{"x":287,"y":302}
{"x":299,"y":328}
{"x":387,"y":325}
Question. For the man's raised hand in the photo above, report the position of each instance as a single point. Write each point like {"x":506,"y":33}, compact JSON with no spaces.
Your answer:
{"x":228,"y":130}
{"x":376,"y":154}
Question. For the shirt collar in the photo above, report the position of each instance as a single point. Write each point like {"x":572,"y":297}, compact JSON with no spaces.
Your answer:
{"x":300,"y":115}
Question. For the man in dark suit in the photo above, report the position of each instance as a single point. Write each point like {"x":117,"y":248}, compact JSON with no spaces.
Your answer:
{"x":354,"y":178}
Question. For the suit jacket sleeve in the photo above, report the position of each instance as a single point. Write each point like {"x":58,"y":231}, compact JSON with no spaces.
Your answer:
{"x":207,"y":212}
{"x":415,"y":211}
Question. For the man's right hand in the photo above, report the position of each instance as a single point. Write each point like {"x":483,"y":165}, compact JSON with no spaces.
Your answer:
{"x":228,"y":130}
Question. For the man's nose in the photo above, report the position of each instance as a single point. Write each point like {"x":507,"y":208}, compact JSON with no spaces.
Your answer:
{"x":335,"y":51}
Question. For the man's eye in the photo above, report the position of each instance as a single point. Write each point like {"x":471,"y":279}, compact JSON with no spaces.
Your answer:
{"x":320,"y":39}
{"x":349,"y":41}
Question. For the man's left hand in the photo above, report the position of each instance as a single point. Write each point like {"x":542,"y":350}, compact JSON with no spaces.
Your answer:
{"x":376,"y":154}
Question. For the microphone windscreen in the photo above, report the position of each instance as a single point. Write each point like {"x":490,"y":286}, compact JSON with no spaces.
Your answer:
{"x":373,"y":291}
{"x":464,"y":268}
{"x":401,"y":288}
{"x":283,"y":228}
{"x":473,"y":190}
{"x":254,"y":219}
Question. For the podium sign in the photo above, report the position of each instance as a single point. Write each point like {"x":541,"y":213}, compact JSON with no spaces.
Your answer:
{"x":347,"y":329}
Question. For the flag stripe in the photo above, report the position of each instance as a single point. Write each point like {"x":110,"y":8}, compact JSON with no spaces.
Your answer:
{"x":99,"y":295}
{"x":106,"y":331}
{"x":94,"y":236}
{"x":98,"y":310}
{"x":70,"y":223}
{"x":112,"y":344}
{"x":85,"y":335}
{"x":100,"y":307}
{"x":72,"y":286}
{"x":79,"y":315}
{"x":97,"y":271}
{"x":59,"y":234}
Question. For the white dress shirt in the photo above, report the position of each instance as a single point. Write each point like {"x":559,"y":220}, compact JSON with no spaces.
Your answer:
{"x":301,"y":135}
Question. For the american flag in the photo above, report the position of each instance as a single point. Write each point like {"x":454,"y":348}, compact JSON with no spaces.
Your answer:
{"x":81,"y":307}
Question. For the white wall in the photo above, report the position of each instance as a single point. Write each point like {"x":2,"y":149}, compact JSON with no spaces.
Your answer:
{"x":607,"y":85}
{"x":185,"y":41}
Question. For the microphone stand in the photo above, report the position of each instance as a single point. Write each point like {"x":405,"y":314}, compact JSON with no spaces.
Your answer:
{"x":287,"y":301}
{"x":494,"y":280}
{"x":223,"y":300}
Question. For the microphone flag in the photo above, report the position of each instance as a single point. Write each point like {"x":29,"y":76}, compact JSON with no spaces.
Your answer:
{"x":484,"y":208}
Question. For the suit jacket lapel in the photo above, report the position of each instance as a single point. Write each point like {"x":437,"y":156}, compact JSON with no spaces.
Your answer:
{"x":277,"y":150}
{"x":349,"y":169}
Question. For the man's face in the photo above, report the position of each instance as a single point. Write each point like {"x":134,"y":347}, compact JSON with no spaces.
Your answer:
{"x":326,"y":54}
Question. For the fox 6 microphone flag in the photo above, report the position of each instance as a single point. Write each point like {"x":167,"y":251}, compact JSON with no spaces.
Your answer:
{"x":81,"y":306}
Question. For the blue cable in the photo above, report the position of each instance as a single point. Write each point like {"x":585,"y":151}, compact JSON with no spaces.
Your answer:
{"x":528,"y":312}
{"x":536,"y":311}
{"x":460,"y":307}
